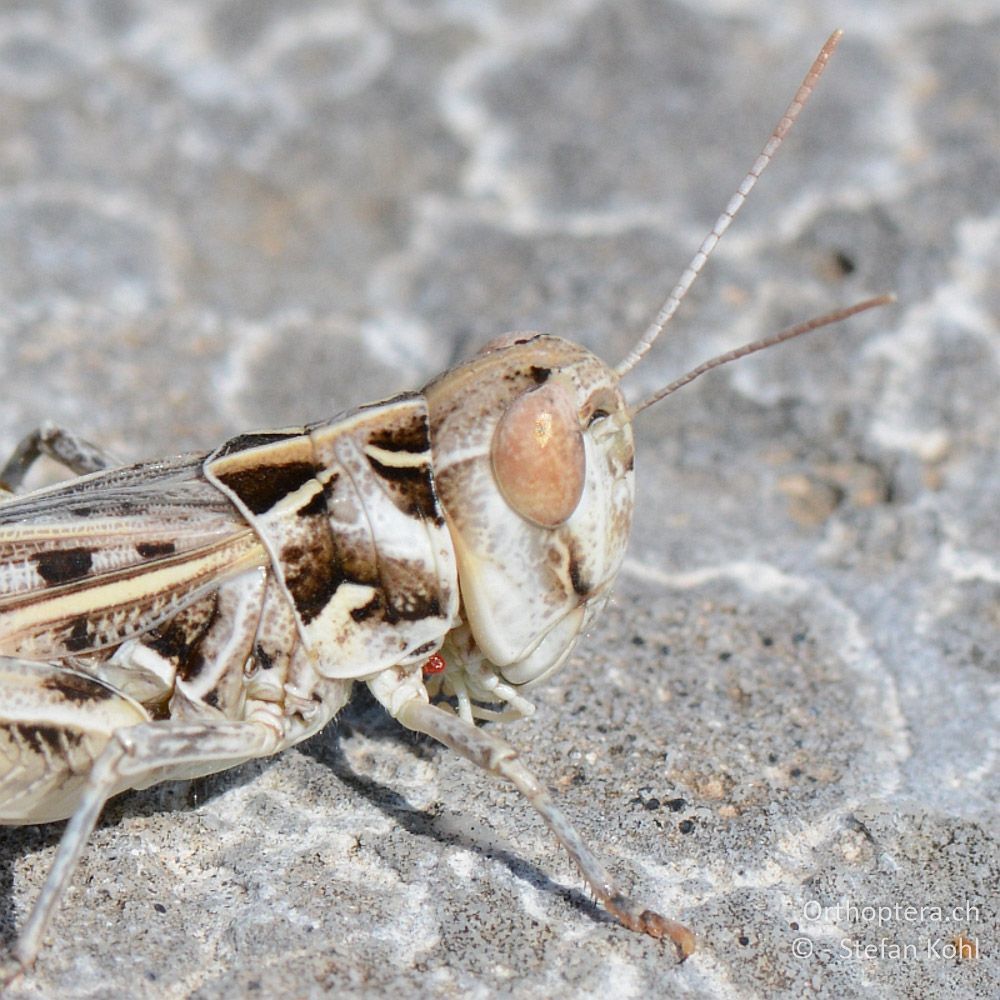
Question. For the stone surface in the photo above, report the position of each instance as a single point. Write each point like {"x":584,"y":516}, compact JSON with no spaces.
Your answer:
{"x":230,"y":214}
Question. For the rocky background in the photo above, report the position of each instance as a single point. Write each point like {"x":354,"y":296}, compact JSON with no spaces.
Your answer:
{"x":218,"y":215}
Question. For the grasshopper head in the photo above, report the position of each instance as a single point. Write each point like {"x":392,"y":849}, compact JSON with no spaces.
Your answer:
{"x":533,"y":457}
{"x":532,"y":443}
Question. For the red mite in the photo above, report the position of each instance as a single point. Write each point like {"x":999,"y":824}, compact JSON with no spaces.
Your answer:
{"x":435,"y":665}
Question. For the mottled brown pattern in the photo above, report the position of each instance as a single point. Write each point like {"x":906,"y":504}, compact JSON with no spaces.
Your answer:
{"x":409,"y":605}
{"x":76,"y":688}
{"x":105,"y":626}
{"x":277,"y":636}
{"x":412,"y":593}
{"x":312,"y":575}
{"x":179,"y":640}
{"x":175,"y":638}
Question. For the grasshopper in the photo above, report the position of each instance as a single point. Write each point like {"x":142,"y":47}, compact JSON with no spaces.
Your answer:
{"x":177,"y":617}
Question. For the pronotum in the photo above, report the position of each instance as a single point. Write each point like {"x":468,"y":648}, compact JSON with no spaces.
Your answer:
{"x":446,"y":547}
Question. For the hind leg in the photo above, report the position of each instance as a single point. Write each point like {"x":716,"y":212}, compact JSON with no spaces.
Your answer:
{"x":57,"y":443}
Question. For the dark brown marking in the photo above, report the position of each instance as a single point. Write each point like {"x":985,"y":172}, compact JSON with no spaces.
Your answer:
{"x":178,"y":639}
{"x":420,"y":607}
{"x":311,"y":581}
{"x":413,"y":437}
{"x":77,"y":688}
{"x":263,"y":658}
{"x":79,"y":637}
{"x":580,"y":583}
{"x":64,"y":565}
{"x":540,"y":375}
{"x":367,"y":610}
{"x":413,"y":489}
{"x":170,"y":641}
{"x":149,"y":550}
{"x":316,"y":506}
{"x":313,"y":572}
{"x":260,"y":488}
{"x":43,"y":740}
{"x":411,"y":596}
{"x":191,"y":664}
{"x":424,"y":607}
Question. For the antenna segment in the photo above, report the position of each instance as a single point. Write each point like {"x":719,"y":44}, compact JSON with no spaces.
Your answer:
{"x":759,"y":345}
{"x":729,"y":213}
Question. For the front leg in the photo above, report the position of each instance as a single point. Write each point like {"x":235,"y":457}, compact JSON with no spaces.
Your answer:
{"x":405,"y":699}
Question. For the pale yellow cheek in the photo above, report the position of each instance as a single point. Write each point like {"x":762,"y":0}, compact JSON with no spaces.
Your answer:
{"x":538,"y":456}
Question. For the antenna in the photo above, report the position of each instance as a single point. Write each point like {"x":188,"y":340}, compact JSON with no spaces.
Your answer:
{"x":759,"y":345}
{"x":723,"y":222}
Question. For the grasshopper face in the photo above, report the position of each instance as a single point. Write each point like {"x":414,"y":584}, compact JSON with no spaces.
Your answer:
{"x":537,"y":490}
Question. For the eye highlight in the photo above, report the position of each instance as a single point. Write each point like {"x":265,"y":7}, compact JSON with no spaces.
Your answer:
{"x":539,"y":461}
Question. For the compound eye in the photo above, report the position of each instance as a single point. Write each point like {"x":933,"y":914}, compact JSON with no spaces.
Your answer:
{"x":538,"y":456}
